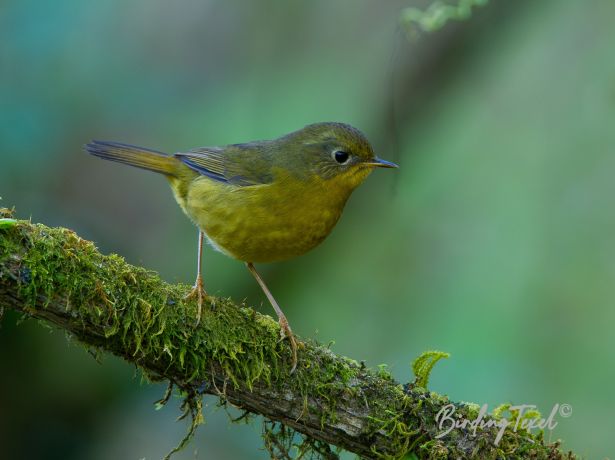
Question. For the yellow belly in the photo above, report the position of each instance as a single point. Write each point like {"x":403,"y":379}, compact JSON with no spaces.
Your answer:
{"x":263,"y":223}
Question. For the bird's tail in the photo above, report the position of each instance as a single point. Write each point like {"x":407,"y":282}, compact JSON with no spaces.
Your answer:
{"x":134,"y":156}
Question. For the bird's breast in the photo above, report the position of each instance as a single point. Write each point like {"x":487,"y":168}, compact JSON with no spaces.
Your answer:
{"x":268,"y":222}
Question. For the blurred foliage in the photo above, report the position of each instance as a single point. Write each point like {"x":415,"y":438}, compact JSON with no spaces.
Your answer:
{"x":495,"y":240}
{"x":437,"y":15}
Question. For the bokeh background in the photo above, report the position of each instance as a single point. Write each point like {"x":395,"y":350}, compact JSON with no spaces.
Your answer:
{"x":494,"y":241}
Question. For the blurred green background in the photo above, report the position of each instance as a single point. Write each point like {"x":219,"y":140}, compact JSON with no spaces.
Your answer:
{"x":494,"y":241}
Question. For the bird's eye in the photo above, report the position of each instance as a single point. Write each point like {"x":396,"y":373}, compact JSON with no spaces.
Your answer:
{"x":341,"y":157}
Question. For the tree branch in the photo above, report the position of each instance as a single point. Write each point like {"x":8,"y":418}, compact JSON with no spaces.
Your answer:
{"x":235,"y":353}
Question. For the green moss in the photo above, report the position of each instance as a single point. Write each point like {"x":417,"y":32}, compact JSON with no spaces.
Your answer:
{"x":147,"y":320}
{"x":423,"y":365}
{"x":143,"y":318}
{"x":141,"y":315}
{"x":6,"y":222}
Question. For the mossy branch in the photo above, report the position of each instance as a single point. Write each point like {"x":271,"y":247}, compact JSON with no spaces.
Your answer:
{"x":235,"y":353}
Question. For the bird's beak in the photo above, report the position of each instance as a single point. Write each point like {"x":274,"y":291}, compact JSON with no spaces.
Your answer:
{"x":380,"y":163}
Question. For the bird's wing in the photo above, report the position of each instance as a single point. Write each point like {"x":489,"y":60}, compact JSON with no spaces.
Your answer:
{"x":240,"y":164}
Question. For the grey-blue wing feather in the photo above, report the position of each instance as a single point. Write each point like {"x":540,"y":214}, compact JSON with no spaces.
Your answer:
{"x":241,"y":164}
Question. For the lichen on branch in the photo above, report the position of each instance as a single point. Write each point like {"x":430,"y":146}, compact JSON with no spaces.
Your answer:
{"x":235,"y":354}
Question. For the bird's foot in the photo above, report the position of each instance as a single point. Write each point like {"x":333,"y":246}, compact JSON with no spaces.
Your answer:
{"x":198,"y":292}
{"x":287,"y":333}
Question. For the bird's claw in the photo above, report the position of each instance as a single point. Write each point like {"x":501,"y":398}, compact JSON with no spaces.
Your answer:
{"x":198,"y":292}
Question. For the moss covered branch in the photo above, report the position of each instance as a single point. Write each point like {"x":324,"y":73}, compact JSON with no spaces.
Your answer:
{"x":235,"y":353}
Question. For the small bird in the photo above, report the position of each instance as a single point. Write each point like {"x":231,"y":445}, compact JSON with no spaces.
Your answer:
{"x":261,"y":201}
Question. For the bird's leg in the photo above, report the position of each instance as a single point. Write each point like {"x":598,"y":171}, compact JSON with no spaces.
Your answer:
{"x":285,"y":331}
{"x":198,"y":290}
